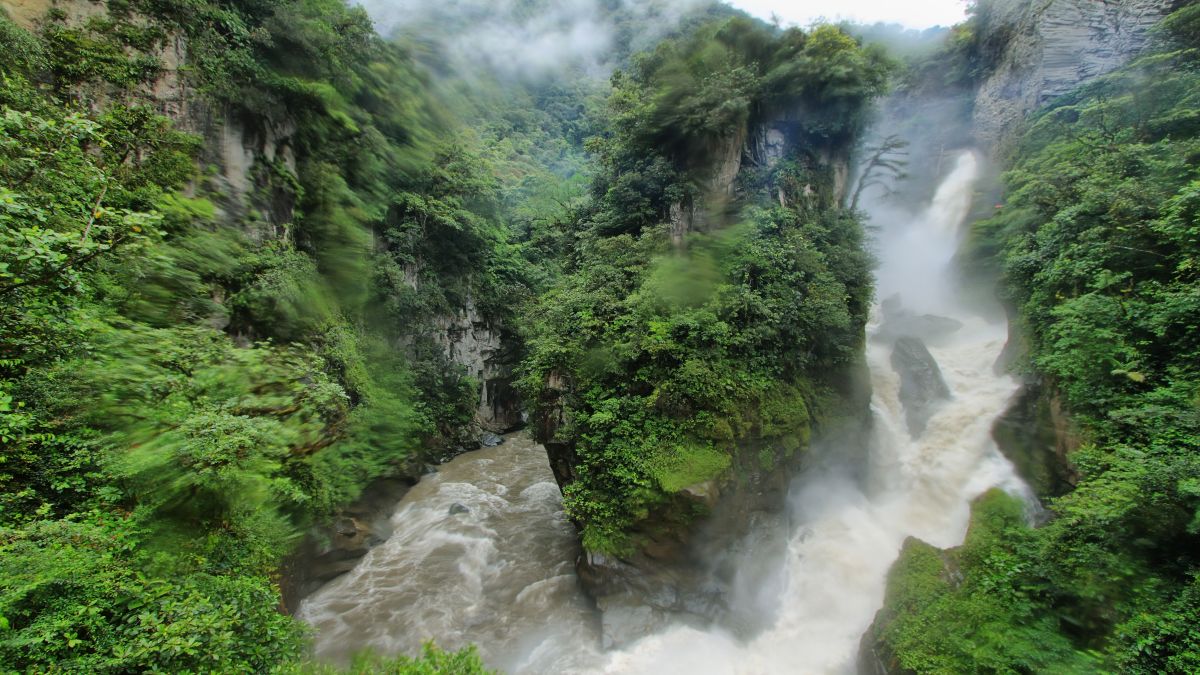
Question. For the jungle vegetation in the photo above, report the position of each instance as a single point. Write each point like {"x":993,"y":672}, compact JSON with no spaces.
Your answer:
{"x":1097,"y":241}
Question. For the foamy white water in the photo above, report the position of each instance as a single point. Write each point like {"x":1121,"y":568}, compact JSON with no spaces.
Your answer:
{"x":850,"y":534}
{"x":500,"y":575}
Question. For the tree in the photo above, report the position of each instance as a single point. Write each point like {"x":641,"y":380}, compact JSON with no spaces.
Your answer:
{"x":884,"y":167}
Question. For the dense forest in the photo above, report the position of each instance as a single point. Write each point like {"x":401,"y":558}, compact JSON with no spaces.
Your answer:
{"x":687,"y":321}
{"x":241,"y":243}
{"x":190,"y":377}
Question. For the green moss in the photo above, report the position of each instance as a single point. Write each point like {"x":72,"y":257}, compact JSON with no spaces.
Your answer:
{"x":684,"y":466}
{"x":968,"y":610}
{"x":917,"y":579}
{"x":766,"y":459}
{"x":784,"y":412}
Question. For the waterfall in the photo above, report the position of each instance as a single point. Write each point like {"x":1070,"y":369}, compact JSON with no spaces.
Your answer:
{"x":482,"y":553}
{"x":849,"y":531}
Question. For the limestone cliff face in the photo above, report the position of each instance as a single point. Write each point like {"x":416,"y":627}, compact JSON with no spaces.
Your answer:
{"x":759,"y":146}
{"x":470,"y":339}
{"x":1055,"y":46}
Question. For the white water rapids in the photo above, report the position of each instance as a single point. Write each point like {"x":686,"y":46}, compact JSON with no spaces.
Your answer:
{"x":500,"y":575}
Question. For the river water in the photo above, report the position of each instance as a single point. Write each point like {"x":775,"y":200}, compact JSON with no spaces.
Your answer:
{"x":499,"y":574}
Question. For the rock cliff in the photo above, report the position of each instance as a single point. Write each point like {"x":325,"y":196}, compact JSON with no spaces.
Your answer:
{"x":479,"y":344}
{"x":1053,"y":47}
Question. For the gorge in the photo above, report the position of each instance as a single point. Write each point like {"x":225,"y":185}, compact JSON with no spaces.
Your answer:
{"x":597,"y":337}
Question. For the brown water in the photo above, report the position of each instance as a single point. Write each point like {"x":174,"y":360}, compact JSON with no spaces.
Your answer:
{"x":499,"y":575}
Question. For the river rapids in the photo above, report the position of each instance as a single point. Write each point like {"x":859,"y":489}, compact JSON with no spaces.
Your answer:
{"x":483,"y":554}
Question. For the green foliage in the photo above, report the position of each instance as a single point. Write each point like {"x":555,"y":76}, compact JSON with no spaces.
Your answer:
{"x":186,"y":382}
{"x":729,"y":75}
{"x":432,"y":661}
{"x":975,"y":609}
{"x":1098,"y":240}
{"x":674,"y":358}
{"x":75,"y":601}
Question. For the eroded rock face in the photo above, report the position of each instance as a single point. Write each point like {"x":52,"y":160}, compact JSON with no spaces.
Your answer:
{"x":1036,"y":435}
{"x":688,"y":574}
{"x":671,"y":574}
{"x":470,"y":339}
{"x":1054,"y":47}
{"x":922,"y":387}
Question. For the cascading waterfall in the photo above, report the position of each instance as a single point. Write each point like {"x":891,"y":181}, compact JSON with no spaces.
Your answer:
{"x":499,"y":574}
{"x":849,"y":533}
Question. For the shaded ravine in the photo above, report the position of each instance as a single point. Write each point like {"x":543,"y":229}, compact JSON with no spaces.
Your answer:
{"x":500,"y":574}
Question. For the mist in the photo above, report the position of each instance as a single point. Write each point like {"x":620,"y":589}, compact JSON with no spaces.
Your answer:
{"x":530,"y":38}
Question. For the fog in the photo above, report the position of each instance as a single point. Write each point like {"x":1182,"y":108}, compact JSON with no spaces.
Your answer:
{"x":530,"y":38}
{"x":908,"y":14}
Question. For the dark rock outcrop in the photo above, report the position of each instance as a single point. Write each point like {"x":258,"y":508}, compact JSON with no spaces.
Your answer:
{"x":1036,"y":435}
{"x":921,"y":385}
{"x":685,"y":575}
{"x":899,"y":322}
{"x":331,"y":549}
{"x":550,"y":428}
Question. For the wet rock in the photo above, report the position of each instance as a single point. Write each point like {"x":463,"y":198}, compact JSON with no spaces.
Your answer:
{"x":1035,"y":435}
{"x":706,"y":493}
{"x":346,"y":527}
{"x":926,"y":327}
{"x":922,"y":388}
{"x":334,"y":548}
{"x":457,"y":509}
{"x":490,"y":440}
{"x":876,"y":658}
{"x":899,"y":322}
{"x":327,"y":570}
{"x":621,"y":626}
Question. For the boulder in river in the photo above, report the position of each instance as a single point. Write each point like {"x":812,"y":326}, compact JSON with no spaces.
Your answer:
{"x":928,"y":327}
{"x":899,"y":322}
{"x":922,"y":388}
{"x":457,"y":509}
{"x":490,"y":440}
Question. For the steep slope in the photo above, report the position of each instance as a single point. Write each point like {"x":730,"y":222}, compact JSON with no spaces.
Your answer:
{"x":713,"y":314}
{"x":1097,"y":242}
{"x":246,"y":258}
{"x":1043,"y":50}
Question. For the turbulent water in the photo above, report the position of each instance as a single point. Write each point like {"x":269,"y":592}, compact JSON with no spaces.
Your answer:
{"x":500,"y":575}
{"x":481,"y":554}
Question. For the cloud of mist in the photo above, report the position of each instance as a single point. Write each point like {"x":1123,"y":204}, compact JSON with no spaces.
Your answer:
{"x":531,"y":38}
